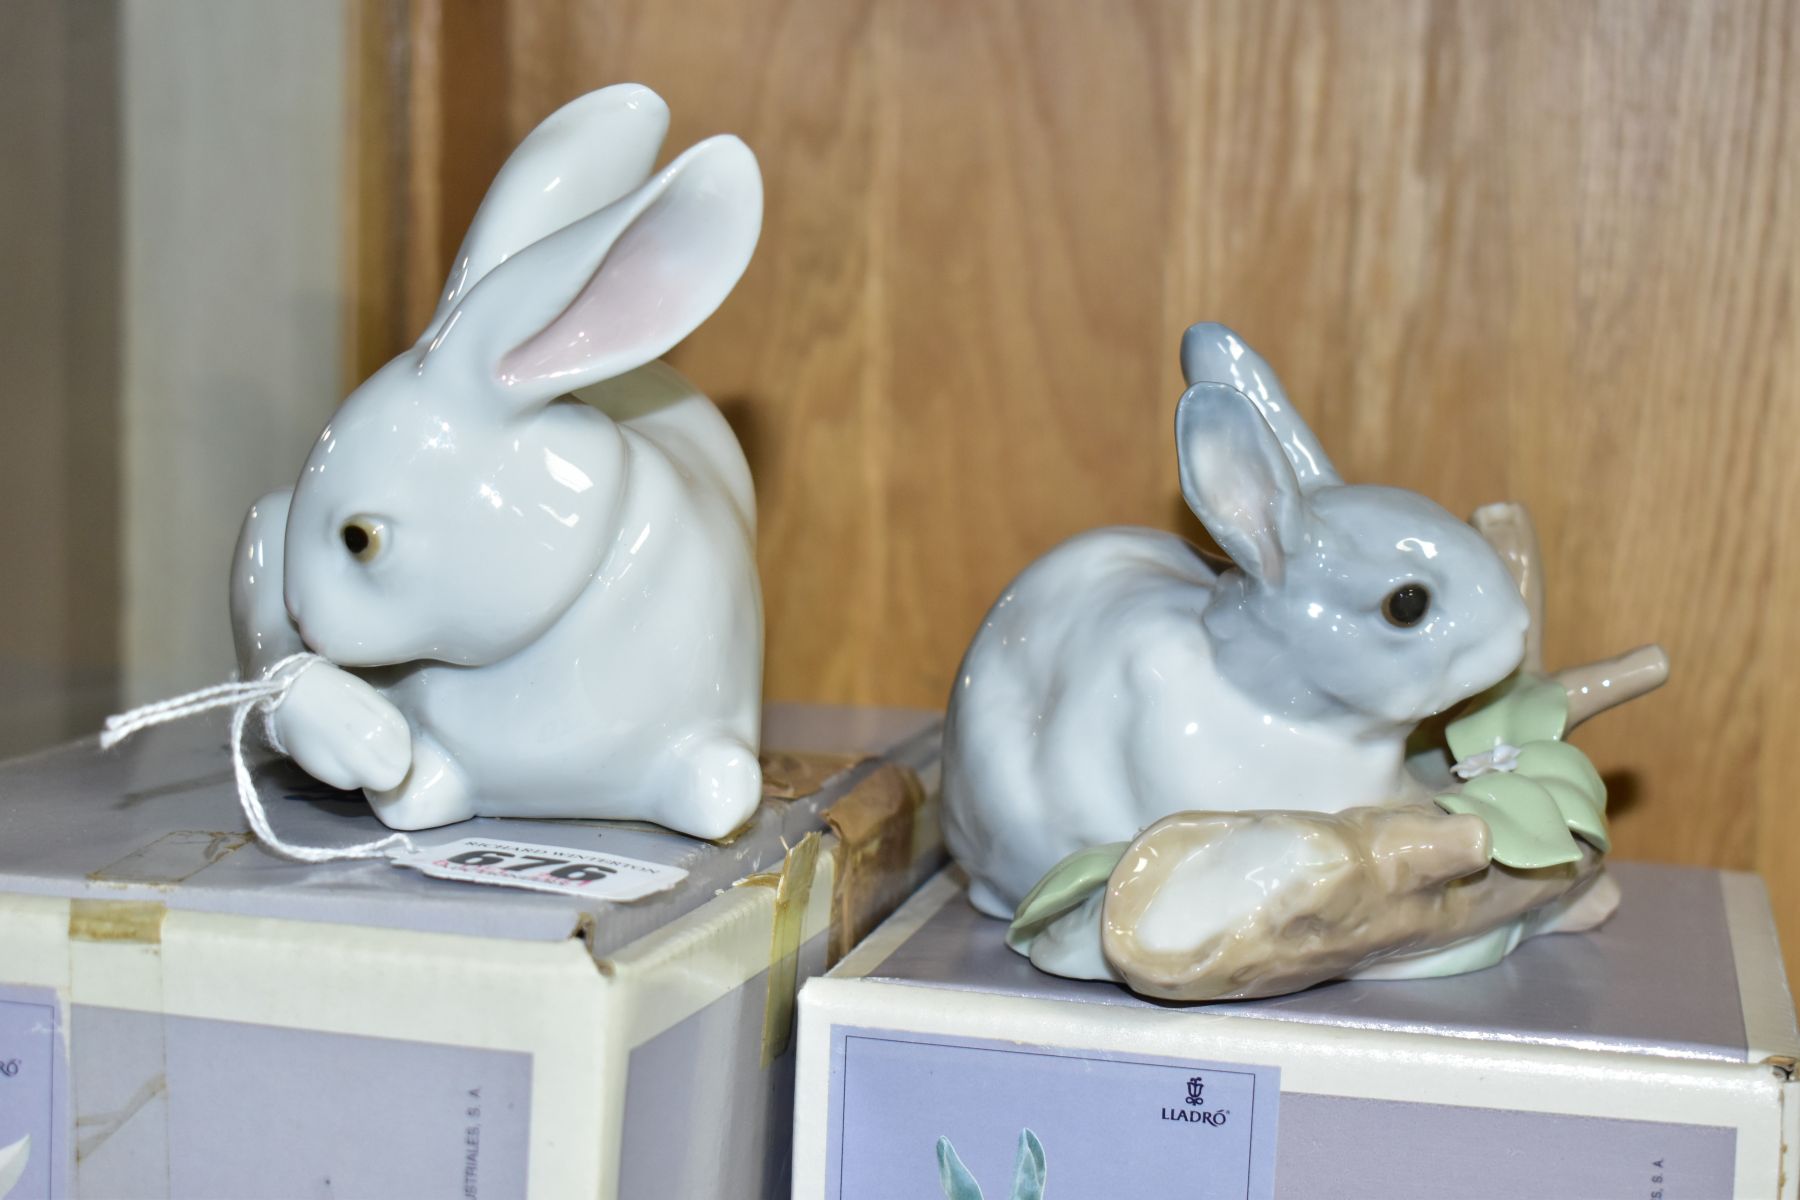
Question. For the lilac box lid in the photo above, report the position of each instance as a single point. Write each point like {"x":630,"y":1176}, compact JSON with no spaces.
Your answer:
{"x":158,"y":819}
{"x":1689,"y":967}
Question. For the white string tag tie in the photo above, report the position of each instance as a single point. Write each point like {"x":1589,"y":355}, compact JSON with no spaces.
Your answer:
{"x":262,"y":696}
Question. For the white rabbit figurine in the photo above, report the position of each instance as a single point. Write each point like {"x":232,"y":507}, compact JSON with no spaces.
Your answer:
{"x":1121,"y":678}
{"x":535,"y":603}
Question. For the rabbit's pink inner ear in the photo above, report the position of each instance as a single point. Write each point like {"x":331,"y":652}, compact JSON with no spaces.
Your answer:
{"x":672,"y":266}
{"x":634,"y":298}
{"x":1237,"y":479}
{"x":1237,"y":508}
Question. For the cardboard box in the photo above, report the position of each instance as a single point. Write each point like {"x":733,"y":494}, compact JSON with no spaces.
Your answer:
{"x":184,"y":1015}
{"x":1650,"y":1060}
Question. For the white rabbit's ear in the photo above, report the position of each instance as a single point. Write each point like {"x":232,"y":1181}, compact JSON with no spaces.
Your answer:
{"x":617,"y":289}
{"x":579,"y":159}
{"x":1237,"y":479}
{"x":1211,"y":353}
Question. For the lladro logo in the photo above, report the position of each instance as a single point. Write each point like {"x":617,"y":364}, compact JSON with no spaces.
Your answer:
{"x":1194,"y":1109}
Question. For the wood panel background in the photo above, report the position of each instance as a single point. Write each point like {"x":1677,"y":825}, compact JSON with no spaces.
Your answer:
{"x":1541,"y":250}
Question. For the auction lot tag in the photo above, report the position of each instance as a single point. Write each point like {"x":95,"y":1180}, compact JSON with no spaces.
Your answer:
{"x":542,"y":868}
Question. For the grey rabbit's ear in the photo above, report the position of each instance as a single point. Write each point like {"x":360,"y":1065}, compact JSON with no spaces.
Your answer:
{"x":1237,"y":479}
{"x":1211,"y":353}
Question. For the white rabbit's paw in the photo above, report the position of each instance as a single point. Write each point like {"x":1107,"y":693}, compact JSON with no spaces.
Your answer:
{"x":723,"y":786}
{"x":433,"y":793}
{"x":342,"y":731}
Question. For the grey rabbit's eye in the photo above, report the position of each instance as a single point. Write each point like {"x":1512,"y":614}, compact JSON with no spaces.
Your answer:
{"x":1406,"y":605}
{"x":362,"y":538}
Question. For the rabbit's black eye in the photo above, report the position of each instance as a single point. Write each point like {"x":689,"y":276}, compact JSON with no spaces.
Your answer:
{"x":1406,"y":605}
{"x":362,"y":538}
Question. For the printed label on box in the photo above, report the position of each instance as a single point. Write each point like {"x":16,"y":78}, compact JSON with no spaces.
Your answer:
{"x":1104,"y":1125}
{"x":542,"y":868}
{"x":240,"y":1109}
{"x":33,"y":1096}
{"x":376,"y":1116}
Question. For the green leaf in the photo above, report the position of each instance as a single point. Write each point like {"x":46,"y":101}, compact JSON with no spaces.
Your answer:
{"x":1531,"y":713}
{"x":1570,"y":779}
{"x":1062,"y":889}
{"x":1028,"y":1171}
{"x":1520,"y":710}
{"x":1527,"y":825}
{"x":953,"y":1177}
